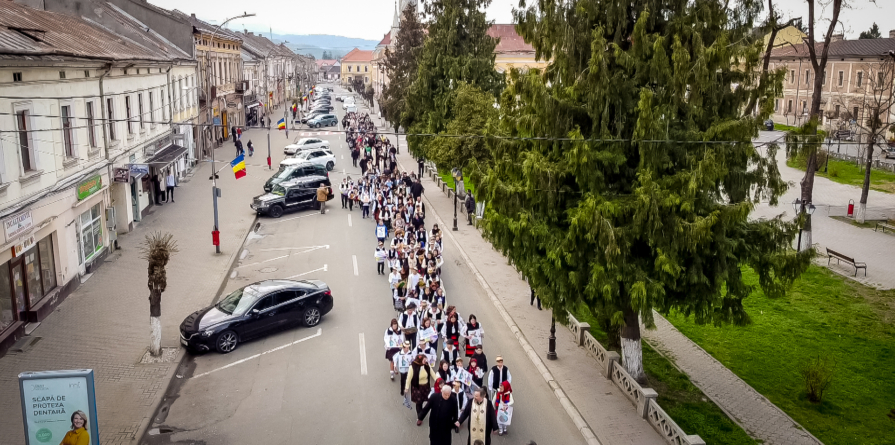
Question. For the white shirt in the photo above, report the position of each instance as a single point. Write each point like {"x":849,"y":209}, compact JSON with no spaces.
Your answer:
{"x":170,"y":180}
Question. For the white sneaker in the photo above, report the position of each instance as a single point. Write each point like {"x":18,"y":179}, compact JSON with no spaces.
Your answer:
{"x":392,"y":375}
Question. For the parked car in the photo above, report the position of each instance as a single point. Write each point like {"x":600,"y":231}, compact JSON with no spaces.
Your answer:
{"x":305,"y":144}
{"x":769,"y":125}
{"x":324,"y":108}
{"x":888,"y":152}
{"x":323,"y":120}
{"x":290,"y":195}
{"x":318,"y":156}
{"x":312,"y":114}
{"x":291,"y":168}
{"x":254,"y":311}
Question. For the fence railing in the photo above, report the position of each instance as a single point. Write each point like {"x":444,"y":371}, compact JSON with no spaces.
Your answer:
{"x":643,"y":399}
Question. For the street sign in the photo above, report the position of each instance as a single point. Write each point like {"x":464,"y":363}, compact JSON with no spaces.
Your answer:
{"x":50,"y":399}
{"x":217,"y":121}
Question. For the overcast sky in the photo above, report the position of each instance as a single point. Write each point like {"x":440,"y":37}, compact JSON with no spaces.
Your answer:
{"x":370,"y":19}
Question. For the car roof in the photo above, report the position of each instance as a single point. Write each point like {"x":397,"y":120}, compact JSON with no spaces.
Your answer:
{"x":304,"y":179}
{"x":294,"y":161}
{"x":268,"y":286}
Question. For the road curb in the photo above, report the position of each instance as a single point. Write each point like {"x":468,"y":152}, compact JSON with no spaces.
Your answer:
{"x":560,"y":394}
{"x":182,"y":356}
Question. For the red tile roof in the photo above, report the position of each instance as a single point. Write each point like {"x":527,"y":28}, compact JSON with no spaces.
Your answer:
{"x":387,"y":40}
{"x":357,"y":55}
{"x":510,"y":41}
{"x":324,"y":62}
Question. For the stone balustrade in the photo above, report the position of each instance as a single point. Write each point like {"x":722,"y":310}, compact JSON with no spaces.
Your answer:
{"x":643,"y":399}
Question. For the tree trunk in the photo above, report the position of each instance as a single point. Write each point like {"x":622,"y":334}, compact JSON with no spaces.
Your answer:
{"x":865,"y":190}
{"x":155,"y":325}
{"x":632,"y":351}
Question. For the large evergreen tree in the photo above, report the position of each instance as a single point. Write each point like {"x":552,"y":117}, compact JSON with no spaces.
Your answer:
{"x":635,"y":203}
{"x":401,"y":67}
{"x":457,"y":50}
{"x":872,"y":33}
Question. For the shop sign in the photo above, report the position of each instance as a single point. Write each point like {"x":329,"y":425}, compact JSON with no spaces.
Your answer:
{"x":120,"y":175}
{"x":89,"y":186}
{"x":49,"y":400}
{"x":23,"y":247}
{"x":139,"y":169}
{"x":18,"y":225}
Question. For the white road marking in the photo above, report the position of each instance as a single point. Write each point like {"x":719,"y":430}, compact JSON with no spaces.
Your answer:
{"x":310,"y":248}
{"x":363,"y":355}
{"x":343,"y":158}
{"x":349,"y":220}
{"x":354,"y":260}
{"x":319,"y":332}
{"x":324,"y":268}
{"x":294,"y":217}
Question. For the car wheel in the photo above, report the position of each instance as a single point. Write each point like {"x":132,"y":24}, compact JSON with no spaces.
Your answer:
{"x":330,"y":165}
{"x":276,"y":211}
{"x":226,"y":342}
{"x":310,"y":317}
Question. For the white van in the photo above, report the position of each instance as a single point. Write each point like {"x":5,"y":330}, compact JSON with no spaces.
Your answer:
{"x":349,"y":100}
{"x":351,"y":108}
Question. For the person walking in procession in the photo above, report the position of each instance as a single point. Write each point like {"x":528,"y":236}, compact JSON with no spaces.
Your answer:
{"x":503,"y":405}
{"x":402,"y":362}
{"x":444,"y":416}
{"x":392,"y":339}
{"x":419,"y":383}
{"x":322,"y":196}
{"x":482,"y":418}
{"x":499,"y":374}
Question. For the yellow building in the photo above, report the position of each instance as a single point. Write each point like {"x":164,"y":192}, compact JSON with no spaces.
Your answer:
{"x":789,"y":35}
{"x":512,"y":51}
{"x":357,"y":64}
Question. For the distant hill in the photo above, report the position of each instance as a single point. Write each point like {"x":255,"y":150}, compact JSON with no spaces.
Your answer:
{"x":316,"y":44}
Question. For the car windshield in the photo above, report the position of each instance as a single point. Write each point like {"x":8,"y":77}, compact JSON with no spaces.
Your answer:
{"x":278,"y":190}
{"x":239,"y":301}
{"x":284,"y":172}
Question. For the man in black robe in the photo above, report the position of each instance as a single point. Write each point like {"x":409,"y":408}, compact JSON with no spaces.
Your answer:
{"x":479,"y":428}
{"x":444,"y":416}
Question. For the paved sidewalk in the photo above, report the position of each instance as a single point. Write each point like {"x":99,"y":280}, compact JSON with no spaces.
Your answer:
{"x":104,"y":324}
{"x":602,"y":405}
{"x":877,"y":249}
{"x":757,"y":415}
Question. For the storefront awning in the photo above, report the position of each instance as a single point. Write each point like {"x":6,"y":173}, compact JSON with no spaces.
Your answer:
{"x":250,"y":106}
{"x":166,"y":157}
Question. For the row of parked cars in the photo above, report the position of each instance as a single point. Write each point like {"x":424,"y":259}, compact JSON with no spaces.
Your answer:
{"x":320,"y":114}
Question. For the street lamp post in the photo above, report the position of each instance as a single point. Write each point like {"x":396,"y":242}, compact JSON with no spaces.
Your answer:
{"x":215,"y":235}
{"x":801,"y":207}
{"x":551,"y":343}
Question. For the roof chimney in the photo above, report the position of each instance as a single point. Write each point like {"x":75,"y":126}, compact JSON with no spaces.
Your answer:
{"x":193,"y":15}
{"x":837,"y":37}
{"x":892,"y":34}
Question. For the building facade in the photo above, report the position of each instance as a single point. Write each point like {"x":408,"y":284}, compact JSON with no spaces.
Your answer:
{"x":854,"y":69}
{"x":357,"y":65}
{"x":84,"y":115}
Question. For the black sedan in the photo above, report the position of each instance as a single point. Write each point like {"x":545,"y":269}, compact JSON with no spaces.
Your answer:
{"x":256,"y":310}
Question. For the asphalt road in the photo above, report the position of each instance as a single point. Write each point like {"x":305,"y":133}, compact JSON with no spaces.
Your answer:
{"x":330,"y":384}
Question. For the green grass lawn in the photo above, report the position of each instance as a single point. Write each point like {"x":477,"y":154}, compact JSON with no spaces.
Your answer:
{"x":685,"y":403}
{"x":823,"y":315}
{"x":845,"y":172}
{"x":783,"y":127}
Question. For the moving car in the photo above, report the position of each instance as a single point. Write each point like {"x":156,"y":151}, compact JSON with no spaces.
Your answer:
{"x":349,"y":100}
{"x":290,"y":195}
{"x":351,"y":108}
{"x":323,"y":120}
{"x":304,"y":144}
{"x":256,"y":310}
{"x":319,"y":156}
{"x":291,"y":168}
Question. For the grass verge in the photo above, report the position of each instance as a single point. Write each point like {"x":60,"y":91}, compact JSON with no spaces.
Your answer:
{"x":823,"y":315}
{"x":848,"y":173}
{"x":783,"y":127}
{"x":684,"y":402}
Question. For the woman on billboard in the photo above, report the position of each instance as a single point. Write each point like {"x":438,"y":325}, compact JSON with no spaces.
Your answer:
{"x":78,"y":434}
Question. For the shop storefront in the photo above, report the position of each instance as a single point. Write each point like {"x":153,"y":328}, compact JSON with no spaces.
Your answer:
{"x":26,"y":280}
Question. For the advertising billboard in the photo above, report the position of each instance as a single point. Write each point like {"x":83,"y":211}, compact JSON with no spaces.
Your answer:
{"x":59,"y":403}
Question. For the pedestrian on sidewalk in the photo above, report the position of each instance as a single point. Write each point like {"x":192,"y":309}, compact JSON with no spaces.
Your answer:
{"x":170,"y":183}
{"x":444,"y":416}
{"x":533,"y":298}
{"x":421,"y":164}
{"x":322,"y":196}
{"x":393,"y":340}
{"x":470,"y":206}
{"x":482,"y":418}
{"x":503,"y":404}
{"x":163,"y":187}
{"x":380,"y":254}
{"x":251,"y":148}
{"x":419,"y":382}
{"x":157,"y":190}
{"x":499,"y":374}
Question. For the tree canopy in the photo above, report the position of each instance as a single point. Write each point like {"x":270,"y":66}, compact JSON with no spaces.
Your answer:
{"x":872,"y":33}
{"x":457,"y":50}
{"x":641,"y":198}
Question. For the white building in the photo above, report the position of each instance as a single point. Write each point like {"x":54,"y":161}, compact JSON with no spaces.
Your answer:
{"x":85,"y":114}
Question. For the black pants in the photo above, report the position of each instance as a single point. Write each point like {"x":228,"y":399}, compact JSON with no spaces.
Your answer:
{"x":403,"y":381}
{"x":170,"y":194}
{"x":351,"y":204}
{"x":366,"y":208}
{"x":354,"y":161}
{"x":533,"y":298}
{"x":344,"y":201}
{"x":380,"y":268}
{"x":421,"y":171}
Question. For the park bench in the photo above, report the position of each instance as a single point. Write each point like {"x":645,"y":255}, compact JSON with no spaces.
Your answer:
{"x":884,"y":226}
{"x":840,"y":257}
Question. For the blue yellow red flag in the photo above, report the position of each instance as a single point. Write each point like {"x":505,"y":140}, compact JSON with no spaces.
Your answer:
{"x":239,"y":166}
{"x":281,"y":124}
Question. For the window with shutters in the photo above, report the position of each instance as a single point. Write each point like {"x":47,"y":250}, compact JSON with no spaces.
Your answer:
{"x":140,"y":109}
{"x":26,"y":149}
{"x":91,"y":122}
{"x":110,"y":111}
{"x":67,"y":136}
{"x":127,"y":115}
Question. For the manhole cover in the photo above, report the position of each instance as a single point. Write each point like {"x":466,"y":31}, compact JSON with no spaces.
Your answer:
{"x":268,"y":270}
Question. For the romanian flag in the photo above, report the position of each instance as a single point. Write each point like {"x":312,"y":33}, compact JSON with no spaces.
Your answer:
{"x":281,"y":124}
{"x":239,"y":166}
{"x":305,"y":98}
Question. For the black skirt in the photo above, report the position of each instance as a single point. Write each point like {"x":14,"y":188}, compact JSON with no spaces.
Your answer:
{"x":390,"y":352}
